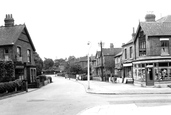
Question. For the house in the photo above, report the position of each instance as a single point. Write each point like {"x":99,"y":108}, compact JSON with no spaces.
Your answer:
{"x":152,"y":45}
{"x":105,"y":62}
{"x":16,"y":45}
{"x":127,"y":58}
{"x":118,"y":65}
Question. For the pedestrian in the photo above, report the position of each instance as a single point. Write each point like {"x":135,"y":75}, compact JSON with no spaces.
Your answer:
{"x":77,"y":77}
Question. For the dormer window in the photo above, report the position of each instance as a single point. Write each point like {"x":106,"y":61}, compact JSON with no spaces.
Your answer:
{"x":164,"y":46}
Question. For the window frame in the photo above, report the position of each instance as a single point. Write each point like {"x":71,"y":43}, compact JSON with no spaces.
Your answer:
{"x":19,"y":51}
{"x":28,"y":55}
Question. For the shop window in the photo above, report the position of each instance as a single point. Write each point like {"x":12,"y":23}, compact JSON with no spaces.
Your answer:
{"x":169,"y":73}
{"x":163,"y":74}
{"x":156,"y":77}
{"x":163,"y":64}
{"x":143,"y":65}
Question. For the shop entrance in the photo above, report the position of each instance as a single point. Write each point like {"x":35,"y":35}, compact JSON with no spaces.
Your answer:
{"x":149,"y":77}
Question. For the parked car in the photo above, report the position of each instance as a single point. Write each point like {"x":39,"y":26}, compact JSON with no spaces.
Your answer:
{"x":84,"y":77}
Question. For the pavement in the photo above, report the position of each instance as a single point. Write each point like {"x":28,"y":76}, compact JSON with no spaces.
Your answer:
{"x":106,"y":88}
{"x":99,"y":87}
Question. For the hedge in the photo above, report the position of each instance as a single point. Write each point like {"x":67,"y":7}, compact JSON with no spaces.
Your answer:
{"x":11,"y":86}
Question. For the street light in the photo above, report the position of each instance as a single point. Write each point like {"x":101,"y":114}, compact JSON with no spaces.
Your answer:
{"x":88,"y":70}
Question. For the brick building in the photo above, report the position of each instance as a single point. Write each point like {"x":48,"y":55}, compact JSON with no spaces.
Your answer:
{"x":152,"y":44}
{"x":106,"y":61}
{"x":16,"y":45}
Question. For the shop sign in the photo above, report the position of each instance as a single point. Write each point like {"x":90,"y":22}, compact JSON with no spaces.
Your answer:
{"x":127,"y":64}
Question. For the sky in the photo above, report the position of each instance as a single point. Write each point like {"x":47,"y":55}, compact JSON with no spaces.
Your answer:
{"x":63,"y":28}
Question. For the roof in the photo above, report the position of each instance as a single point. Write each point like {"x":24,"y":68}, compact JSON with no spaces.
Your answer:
{"x":119,"y":54}
{"x":9,"y":35}
{"x":129,"y":42}
{"x":81,"y":59}
{"x":157,"y":28}
{"x":111,"y":51}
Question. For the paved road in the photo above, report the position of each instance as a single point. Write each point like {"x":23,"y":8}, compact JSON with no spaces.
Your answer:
{"x":68,"y":97}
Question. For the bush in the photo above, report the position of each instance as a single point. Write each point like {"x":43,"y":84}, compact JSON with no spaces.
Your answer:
{"x":10,"y":86}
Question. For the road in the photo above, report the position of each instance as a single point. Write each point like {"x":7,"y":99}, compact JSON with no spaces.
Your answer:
{"x":68,"y":97}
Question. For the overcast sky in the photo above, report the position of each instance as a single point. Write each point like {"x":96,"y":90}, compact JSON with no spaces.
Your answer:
{"x":62,"y":28}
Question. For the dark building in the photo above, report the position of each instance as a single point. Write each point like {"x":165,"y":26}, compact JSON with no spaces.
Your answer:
{"x":16,"y":45}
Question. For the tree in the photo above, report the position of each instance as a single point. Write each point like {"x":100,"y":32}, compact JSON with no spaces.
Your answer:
{"x":48,"y":63}
{"x":58,"y":62}
{"x":38,"y":63}
{"x":76,"y":68}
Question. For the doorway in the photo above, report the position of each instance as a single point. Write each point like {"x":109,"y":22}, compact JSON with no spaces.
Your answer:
{"x":149,"y":77}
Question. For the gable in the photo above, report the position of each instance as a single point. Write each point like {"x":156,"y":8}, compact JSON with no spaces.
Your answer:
{"x":25,"y":37}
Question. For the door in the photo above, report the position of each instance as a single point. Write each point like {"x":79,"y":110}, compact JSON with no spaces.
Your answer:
{"x":149,"y":77}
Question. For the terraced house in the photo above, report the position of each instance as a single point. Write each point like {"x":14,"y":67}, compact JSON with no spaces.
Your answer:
{"x":16,"y":45}
{"x":152,"y":45}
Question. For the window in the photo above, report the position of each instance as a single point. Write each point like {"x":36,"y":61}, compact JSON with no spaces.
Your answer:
{"x":29,"y":55}
{"x":6,"y":51}
{"x":164,"y":46}
{"x":125,"y":54}
{"x":131,"y":52}
{"x":18,"y":51}
{"x":142,"y":44}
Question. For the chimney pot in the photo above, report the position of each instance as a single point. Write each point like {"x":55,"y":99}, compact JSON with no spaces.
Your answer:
{"x":9,"y":21}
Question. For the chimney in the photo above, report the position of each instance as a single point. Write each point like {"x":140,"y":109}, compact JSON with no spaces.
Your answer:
{"x":111,"y":45}
{"x":150,"y":18}
{"x":133,"y":34}
{"x":9,"y":21}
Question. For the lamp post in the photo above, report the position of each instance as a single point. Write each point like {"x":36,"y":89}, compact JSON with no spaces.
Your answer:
{"x":88,"y":70}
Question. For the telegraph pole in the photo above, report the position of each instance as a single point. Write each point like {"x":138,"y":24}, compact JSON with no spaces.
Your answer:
{"x":101,"y":60}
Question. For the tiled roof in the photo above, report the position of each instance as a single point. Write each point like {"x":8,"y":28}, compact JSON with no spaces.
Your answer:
{"x":159,"y":27}
{"x":9,"y":35}
{"x":111,"y":51}
{"x":119,"y":54}
{"x":130,"y":41}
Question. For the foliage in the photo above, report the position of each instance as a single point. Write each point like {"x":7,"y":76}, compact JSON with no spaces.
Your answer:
{"x":38,"y":62}
{"x":58,"y":62}
{"x":76,"y":68}
{"x":48,"y":63}
{"x":6,"y":71}
{"x":10,"y":86}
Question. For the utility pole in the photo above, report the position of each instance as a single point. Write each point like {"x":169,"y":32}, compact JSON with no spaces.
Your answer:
{"x":101,"y":60}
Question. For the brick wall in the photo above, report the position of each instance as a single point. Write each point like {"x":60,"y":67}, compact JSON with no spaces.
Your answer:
{"x":127,"y":47}
{"x":24,"y":43}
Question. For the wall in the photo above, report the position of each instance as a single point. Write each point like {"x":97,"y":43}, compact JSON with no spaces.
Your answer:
{"x":24,"y":43}
{"x":127,"y":47}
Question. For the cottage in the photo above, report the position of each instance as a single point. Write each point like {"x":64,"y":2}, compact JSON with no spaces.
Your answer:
{"x":16,"y":45}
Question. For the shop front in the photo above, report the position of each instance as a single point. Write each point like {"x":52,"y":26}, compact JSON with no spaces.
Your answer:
{"x":127,"y":73}
{"x":152,"y":73}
